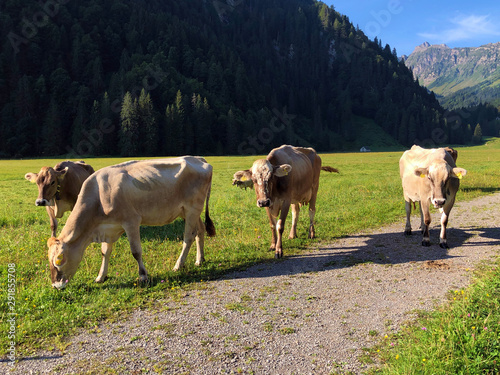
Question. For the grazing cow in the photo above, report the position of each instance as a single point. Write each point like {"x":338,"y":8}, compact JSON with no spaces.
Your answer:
{"x":288,"y":176}
{"x":58,"y":188}
{"x":123,"y":197}
{"x":430,"y":176}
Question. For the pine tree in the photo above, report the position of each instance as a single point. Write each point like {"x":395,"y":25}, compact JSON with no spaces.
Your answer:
{"x":52,"y":130}
{"x":147,"y":123}
{"x":478,"y":135}
{"x":129,"y":127}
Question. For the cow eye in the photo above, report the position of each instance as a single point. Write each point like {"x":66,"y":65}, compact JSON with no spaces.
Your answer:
{"x":52,"y":183}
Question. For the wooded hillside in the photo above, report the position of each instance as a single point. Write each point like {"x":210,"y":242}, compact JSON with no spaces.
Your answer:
{"x":197,"y":77}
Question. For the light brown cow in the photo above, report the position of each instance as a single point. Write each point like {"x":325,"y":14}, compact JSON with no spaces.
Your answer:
{"x":58,"y":187}
{"x":430,"y":176}
{"x":123,"y":197}
{"x":289,"y":176}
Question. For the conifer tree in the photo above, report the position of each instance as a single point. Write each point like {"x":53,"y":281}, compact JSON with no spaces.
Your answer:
{"x":129,"y":127}
{"x":478,"y":135}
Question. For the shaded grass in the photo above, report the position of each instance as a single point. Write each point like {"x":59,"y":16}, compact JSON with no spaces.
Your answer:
{"x":366,"y":194}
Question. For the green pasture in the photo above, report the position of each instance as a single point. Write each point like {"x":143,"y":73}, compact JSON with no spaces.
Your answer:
{"x":366,"y":194}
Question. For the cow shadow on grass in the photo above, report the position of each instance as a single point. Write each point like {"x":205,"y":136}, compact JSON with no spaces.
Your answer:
{"x":388,"y":248}
{"x":380,"y":248}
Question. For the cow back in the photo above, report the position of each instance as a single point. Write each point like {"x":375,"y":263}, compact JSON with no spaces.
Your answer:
{"x":158,"y":191}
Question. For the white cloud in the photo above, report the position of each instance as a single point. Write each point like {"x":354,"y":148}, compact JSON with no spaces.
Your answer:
{"x":464,"y":28}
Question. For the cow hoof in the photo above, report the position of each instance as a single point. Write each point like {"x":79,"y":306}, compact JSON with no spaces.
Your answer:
{"x":101,"y":279}
{"x":444,"y":245}
{"x":278,"y":255}
{"x":408,"y":232}
{"x":197,"y":264}
{"x":426,"y":243}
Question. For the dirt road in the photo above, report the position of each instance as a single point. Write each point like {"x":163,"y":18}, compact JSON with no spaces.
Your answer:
{"x":308,"y":314}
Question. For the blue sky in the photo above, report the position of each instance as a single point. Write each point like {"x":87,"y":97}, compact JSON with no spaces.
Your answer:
{"x":405,"y":24}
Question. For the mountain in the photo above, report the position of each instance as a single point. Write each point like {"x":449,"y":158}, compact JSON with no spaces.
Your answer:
{"x":165,"y":77}
{"x":460,"y":77}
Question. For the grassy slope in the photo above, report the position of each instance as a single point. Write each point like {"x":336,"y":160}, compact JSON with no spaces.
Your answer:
{"x":367,"y":193}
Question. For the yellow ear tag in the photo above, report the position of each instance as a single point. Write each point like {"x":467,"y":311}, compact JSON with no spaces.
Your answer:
{"x":459,"y":175}
{"x":422,"y":176}
{"x":286,"y":172}
{"x":58,"y":262}
{"x":243,"y":178}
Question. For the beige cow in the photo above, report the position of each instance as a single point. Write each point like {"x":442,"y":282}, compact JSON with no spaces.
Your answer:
{"x":58,"y":188}
{"x":289,"y":176}
{"x":430,"y":176}
{"x":123,"y":197}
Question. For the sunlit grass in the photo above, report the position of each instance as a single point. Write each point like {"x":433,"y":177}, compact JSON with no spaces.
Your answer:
{"x":462,"y":337}
{"x":366,"y":194}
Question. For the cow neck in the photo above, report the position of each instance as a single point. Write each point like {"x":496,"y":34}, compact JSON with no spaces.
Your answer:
{"x":81,"y":224}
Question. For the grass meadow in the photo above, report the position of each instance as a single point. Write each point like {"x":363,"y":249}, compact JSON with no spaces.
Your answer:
{"x":367,"y":193}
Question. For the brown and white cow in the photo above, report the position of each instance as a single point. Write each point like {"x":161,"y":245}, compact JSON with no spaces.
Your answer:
{"x":289,"y":176}
{"x":123,"y":197}
{"x":58,"y":187}
{"x":430,"y":176}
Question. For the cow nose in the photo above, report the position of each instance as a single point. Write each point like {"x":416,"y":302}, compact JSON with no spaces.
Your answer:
{"x":439,"y":202}
{"x":263,"y":203}
{"x":41,"y":202}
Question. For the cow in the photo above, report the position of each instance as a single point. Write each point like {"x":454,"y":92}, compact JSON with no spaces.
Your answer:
{"x":120,"y":198}
{"x":58,"y":187}
{"x":288,"y":176}
{"x":430,"y":176}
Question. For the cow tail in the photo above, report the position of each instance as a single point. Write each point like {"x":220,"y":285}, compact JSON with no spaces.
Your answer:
{"x":209,"y":224}
{"x":330,"y":169}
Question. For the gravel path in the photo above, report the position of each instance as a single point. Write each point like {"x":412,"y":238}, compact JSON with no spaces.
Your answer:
{"x":308,"y":314}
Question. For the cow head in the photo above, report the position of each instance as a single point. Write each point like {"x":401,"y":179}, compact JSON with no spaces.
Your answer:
{"x":49,"y":182}
{"x":438,"y":176}
{"x":263,"y":177}
{"x":63,"y":263}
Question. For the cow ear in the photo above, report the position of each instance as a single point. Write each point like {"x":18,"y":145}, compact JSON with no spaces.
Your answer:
{"x":283,"y":170}
{"x":57,"y":252}
{"x":31,"y":177}
{"x":421,"y":172}
{"x":458,"y":173}
{"x":243,"y":179}
{"x":62,"y":174}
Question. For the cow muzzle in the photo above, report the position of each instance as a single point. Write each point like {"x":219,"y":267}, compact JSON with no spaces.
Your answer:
{"x":438,"y":203}
{"x":60,"y":285}
{"x":41,"y":202}
{"x":264,"y":203}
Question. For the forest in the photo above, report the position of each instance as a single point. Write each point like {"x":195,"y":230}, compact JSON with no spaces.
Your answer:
{"x":147,"y":78}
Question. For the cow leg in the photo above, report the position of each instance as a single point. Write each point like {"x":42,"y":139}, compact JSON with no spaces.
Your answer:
{"x":280,"y":227}
{"x":312,"y":213}
{"x":200,"y":242}
{"x":443,"y":242}
{"x":106,"y":249}
{"x":426,"y":216}
{"x":190,"y":232}
{"x":295,"y":219}
{"x":134,"y":238}
{"x":408,"y":221}
{"x":53,"y":220}
{"x":422,"y":222}
{"x":272,"y":224}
